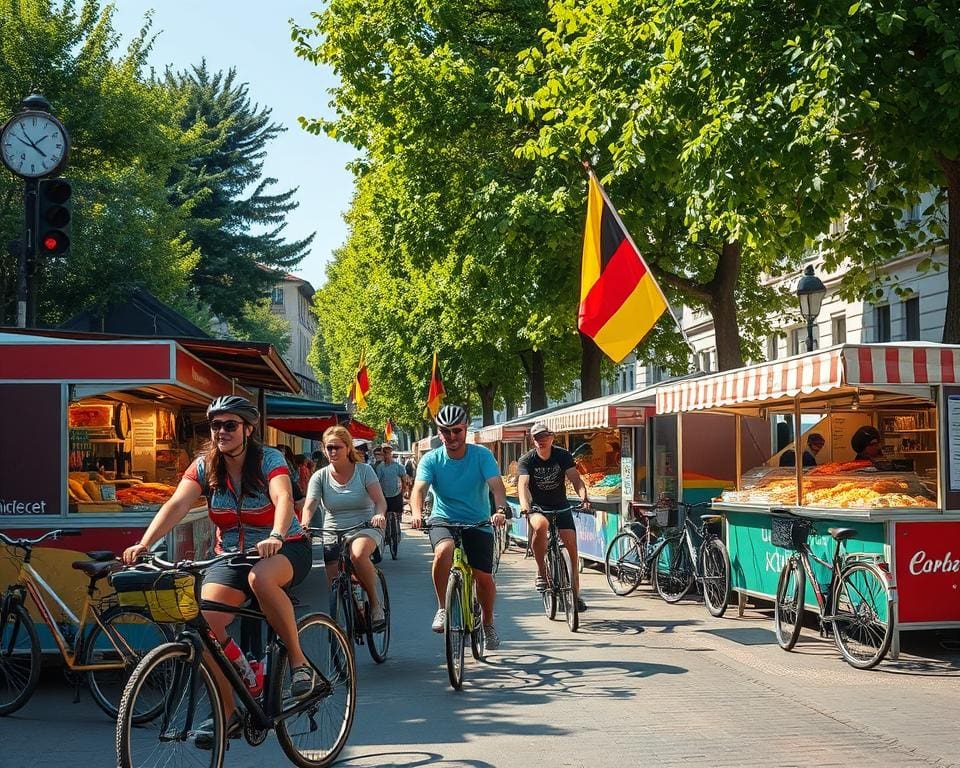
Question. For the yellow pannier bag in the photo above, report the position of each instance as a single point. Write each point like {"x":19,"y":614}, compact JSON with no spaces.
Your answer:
{"x":168,"y":596}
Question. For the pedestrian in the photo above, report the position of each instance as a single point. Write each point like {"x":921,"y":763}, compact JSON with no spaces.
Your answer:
{"x":815,"y":443}
{"x":250,"y":502}
{"x":461,"y":476}
{"x":542,"y":474}
{"x":393,"y":481}
{"x":349,"y":493}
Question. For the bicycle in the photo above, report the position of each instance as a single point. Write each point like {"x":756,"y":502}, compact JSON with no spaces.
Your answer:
{"x":106,"y":642}
{"x":559,"y":590}
{"x":311,"y":730}
{"x":463,"y":614}
{"x":500,"y":542}
{"x":856,"y":606}
{"x":391,"y":536}
{"x":349,"y":602}
{"x":679,"y":563}
{"x":629,"y":559}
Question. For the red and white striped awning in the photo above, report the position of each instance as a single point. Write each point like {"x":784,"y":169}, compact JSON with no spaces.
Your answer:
{"x":621,"y":409}
{"x":877,"y":366}
{"x":496,"y":433}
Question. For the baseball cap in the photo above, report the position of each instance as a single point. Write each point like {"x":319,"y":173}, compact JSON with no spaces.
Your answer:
{"x":539,"y":428}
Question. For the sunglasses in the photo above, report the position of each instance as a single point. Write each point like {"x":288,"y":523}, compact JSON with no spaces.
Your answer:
{"x":454,"y":431}
{"x":334,"y":447}
{"x":231,"y":425}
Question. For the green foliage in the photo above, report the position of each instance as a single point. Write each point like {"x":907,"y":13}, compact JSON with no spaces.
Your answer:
{"x":258,"y":323}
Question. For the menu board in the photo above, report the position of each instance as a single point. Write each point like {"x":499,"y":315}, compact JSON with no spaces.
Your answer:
{"x":953,"y":439}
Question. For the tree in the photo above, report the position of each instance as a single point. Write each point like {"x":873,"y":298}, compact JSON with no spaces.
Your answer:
{"x":124,"y":233}
{"x":222,"y":190}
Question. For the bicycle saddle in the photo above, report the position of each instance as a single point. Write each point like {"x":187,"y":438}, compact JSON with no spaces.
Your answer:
{"x":101,"y":555}
{"x":97,"y":570}
{"x":842,"y":534}
{"x":711,"y":518}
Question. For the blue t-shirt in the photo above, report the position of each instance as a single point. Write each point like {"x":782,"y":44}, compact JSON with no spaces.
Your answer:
{"x":460,"y":490}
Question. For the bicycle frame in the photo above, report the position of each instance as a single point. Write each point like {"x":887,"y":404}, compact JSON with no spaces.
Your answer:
{"x":805,"y":554}
{"x":30,"y":582}
{"x":461,"y":566}
{"x":343,"y":581}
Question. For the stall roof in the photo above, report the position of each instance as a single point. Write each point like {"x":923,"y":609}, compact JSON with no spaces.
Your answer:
{"x":285,"y":405}
{"x":515,"y":429}
{"x":883,"y":367}
{"x":600,"y":413}
{"x":249,"y":363}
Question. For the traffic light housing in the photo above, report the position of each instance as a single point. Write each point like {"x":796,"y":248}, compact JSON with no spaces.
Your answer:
{"x":54,"y":214}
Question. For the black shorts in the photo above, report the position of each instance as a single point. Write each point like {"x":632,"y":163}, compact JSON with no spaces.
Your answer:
{"x":395,"y":503}
{"x":298,"y":551}
{"x":564,"y":521}
{"x":477,"y":543}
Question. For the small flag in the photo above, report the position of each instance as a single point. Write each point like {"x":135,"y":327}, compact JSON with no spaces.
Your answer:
{"x":619,"y":299}
{"x":360,"y":385}
{"x":388,"y":431}
{"x":436,"y":393}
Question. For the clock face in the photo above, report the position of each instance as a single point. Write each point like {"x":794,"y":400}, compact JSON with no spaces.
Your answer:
{"x":33,"y":144}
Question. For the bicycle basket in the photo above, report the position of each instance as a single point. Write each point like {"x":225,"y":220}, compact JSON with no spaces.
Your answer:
{"x":168,"y":596}
{"x":789,"y":532}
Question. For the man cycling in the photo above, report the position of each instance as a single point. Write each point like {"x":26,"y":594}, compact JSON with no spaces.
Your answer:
{"x":461,"y":477}
{"x":542,"y":472}
{"x":393,"y":480}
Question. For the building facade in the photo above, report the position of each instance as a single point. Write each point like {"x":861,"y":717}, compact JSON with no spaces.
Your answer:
{"x":292,"y":298}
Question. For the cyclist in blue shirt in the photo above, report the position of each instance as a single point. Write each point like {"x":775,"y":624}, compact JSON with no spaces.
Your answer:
{"x":462,"y":477}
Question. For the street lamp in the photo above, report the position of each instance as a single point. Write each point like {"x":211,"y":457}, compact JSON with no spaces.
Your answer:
{"x":810,"y":291}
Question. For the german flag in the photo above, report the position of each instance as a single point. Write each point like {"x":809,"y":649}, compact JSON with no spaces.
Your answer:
{"x":619,"y":299}
{"x":436,"y":392}
{"x":360,"y":384}
{"x":388,"y":431}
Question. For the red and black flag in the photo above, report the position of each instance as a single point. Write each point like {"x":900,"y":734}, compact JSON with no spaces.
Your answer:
{"x":360,"y":384}
{"x":619,"y":299}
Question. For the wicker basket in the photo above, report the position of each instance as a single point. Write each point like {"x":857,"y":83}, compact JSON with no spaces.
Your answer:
{"x":168,"y":596}
{"x":789,"y":532}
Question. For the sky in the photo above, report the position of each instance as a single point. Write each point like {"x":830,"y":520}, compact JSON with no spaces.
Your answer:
{"x":254,"y":38}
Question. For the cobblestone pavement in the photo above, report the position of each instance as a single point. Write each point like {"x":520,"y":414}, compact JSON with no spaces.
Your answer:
{"x":643,"y":683}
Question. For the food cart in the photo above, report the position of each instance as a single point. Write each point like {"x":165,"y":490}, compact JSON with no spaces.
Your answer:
{"x":98,"y":432}
{"x":904,"y":505}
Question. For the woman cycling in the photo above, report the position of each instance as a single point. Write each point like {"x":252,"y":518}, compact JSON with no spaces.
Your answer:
{"x":350,"y":494}
{"x":250,"y":501}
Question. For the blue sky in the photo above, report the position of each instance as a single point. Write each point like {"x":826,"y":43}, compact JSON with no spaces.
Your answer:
{"x":254,"y":38}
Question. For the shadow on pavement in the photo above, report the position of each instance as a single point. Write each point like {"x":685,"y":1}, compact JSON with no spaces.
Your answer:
{"x":408,"y":760}
{"x":745,"y":635}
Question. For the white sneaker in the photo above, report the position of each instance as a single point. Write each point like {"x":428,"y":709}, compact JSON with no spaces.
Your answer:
{"x":439,"y":620}
{"x":491,"y":640}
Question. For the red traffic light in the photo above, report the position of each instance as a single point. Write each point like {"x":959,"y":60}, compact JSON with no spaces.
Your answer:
{"x":54,"y":243}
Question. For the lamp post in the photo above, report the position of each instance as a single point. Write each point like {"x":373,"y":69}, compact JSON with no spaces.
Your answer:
{"x":810,"y":292}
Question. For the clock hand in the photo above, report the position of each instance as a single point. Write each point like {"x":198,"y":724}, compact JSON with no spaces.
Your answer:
{"x":32,"y":144}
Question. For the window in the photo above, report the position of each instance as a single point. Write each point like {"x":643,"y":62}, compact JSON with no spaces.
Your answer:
{"x":881,"y":323}
{"x":772,"y":344}
{"x":838,"y":329}
{"x":794,"y":344}
{"x":277,"y":297}
{"x":911,"y":318}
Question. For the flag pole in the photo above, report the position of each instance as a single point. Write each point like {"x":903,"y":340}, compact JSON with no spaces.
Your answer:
{"x":626,"y":232}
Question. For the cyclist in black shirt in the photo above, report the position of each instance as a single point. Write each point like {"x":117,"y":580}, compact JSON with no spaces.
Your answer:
{"x":542,"y":473}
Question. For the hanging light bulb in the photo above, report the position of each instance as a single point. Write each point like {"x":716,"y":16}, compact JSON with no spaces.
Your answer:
{"x":855,"y":405}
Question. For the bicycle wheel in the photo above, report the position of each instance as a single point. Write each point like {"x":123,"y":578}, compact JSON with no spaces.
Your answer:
{"x":19,"y":659}
{"x":129,"y":635}
{"x":189,"y":699}
{"x":497,"y":549}
{"x":379,"y":641}
{"x":567,"y":599}
{"x":477,"y":640}
{"x":313,"y":737}
{"x":788,"y":607}
{"x":553,"y":575}
{"x":341,"y":605}
{"x":672,"y":574}
{"x":862,"y":615}
{"x":454,"y":631}
{"x":715,"y":567}
{"x":623,"y":563}
{"x":393,"y":543}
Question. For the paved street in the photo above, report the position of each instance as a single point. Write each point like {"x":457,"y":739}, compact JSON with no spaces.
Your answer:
{"x":642,"y":683}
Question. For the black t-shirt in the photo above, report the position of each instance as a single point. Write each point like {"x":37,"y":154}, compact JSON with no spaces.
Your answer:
{"x":547,"y":477}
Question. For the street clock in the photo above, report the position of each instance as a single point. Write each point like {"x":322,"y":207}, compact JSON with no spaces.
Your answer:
{"x":34,"y":144}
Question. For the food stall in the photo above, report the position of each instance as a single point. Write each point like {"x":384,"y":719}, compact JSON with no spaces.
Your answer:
{"x":904,"y":503}
{"x":98,"y":432}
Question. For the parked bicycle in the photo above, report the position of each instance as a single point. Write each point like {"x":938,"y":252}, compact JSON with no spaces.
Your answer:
{"x":680,"y":562}
{"x":311,"y":730}
{"x":463,"y":615}
{"x":392,"y":535}
{"x":559,"y":594}
{"x":105,"y":643}
{"x":629,"y":559}
{"x":856,"y":606}
{"x":349,"y":603}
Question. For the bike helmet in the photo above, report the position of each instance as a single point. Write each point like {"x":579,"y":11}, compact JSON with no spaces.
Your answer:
{"x":235,"y":404}
{"x":450,"y":415}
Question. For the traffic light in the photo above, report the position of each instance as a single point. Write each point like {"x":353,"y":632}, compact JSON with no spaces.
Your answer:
{"x":54,"y":212}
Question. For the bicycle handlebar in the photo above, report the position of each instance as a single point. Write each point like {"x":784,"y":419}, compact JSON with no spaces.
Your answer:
{"x":338,"y":532}
{"x":458,"y":526}
{"x":238,"y":558}
{"x":27,"y":543}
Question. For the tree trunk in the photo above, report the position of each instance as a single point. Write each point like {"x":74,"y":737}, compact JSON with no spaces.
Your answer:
{"x":538,"y":381}
{"x":486,"y":392}
{"x":511,"y":408}
{"x":723,"y":308}
{"x":951,"y":321}
{"x":590,"y":356}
